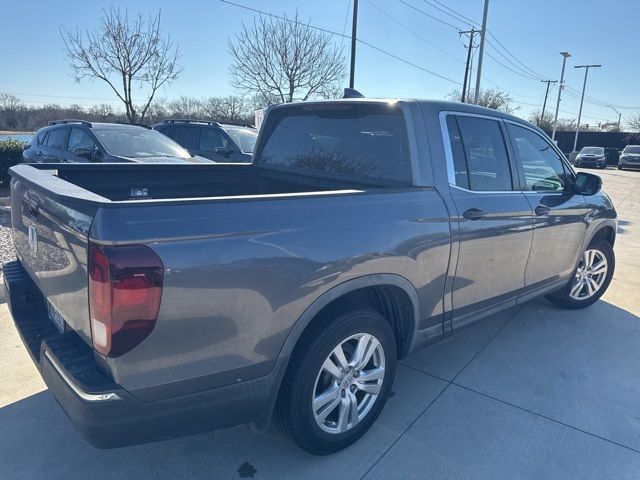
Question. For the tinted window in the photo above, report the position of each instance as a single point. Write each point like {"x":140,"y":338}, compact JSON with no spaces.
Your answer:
{"x":41,"y":138}
{"x":356,"y":140}
{"x":210,"y":139}
{"x":57,"y":138}
{"x":543,"y":170}
{"x":632,"y":150}
{"x":485,"y":153}
{"x":457,"y":150}
{"x":186,"y":136}
{"x":138,"y":142}
{"x":78,"y":138}
{"x":245,"y":138}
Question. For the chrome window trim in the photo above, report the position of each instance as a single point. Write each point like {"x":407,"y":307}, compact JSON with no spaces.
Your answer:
{"x":448,"y":153}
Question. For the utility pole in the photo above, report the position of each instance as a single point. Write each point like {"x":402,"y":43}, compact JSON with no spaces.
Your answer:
{"x":565,"y":55}
{"x":619,"y":115}
{"x":354,"y":27}
{"x":466,"y":68}
{"x":546,"y":94}
{"x":584,"y":86}
{"x":483,"y":33}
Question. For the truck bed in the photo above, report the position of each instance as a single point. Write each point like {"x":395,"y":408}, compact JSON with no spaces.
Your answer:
{"x":122,"y":182}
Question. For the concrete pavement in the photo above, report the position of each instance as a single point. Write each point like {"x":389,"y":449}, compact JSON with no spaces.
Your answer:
{"x":535,"y":392}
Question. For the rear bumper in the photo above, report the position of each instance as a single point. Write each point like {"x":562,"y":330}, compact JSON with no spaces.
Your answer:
{"x":106,"y":414}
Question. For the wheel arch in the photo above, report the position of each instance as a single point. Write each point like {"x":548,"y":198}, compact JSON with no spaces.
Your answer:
{"x":605,"y":230}
{"x":351,"y":292}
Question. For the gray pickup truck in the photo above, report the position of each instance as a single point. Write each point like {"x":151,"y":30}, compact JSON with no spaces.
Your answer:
{"x":164,"y":300}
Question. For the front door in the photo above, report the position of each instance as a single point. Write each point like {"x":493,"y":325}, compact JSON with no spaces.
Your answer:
{"x":494,"y":219}
{"x":560,"y":215}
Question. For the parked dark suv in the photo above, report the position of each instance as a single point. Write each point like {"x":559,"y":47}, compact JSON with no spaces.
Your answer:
{"x":220,"y":142}
{"x":65,"y":141}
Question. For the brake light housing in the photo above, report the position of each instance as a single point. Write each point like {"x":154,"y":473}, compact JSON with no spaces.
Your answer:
{"x":125,"y":289}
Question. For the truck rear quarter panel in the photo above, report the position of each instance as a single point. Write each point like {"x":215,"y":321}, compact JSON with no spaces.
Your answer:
{"x":243,"y":272}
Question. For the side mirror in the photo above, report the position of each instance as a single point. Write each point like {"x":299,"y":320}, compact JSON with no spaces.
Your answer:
{"x":587,"y":183}
{"x":84,"y":152}
{"x":225,"y":152}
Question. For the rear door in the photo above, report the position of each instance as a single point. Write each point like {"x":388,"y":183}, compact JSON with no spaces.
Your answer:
{"x":55,"y":145}
{"x":493,"y":220}
{"x":559,"y":215}
{"x":188,"y":136}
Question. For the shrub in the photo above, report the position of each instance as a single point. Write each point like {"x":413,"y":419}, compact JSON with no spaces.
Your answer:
{"x":10,"y":154}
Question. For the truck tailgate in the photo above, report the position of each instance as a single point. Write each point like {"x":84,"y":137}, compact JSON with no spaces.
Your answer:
{"x":50,"y":233}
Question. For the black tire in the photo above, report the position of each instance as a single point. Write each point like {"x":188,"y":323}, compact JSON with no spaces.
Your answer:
{"x":620,"y":167}
{"x":294,"y":410}
{"x":563,"y":299}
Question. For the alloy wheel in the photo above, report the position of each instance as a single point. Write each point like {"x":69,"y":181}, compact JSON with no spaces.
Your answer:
{"x":348,"y":383}
{"x":590,"y":275}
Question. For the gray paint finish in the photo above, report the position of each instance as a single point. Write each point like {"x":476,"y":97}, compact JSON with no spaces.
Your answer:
{"x":243,"y":271}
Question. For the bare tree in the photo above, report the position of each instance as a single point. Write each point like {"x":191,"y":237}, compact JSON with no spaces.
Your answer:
{"x":544,"y":122}
{"x":125,"y":53}
{"x":284,"y":59}
{"x":230,"y":109}
{"x":9,"y":102}
{"x":491,"y":98}
{"x":633,"y":122}
{"x":185,"y":107}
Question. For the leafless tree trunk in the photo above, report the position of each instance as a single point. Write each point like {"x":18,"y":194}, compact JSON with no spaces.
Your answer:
{"x":633,"y":122}
{"x":284,"y":59}
{"x":125,"y":53}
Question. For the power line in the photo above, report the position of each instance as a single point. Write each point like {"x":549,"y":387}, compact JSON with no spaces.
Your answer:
{"x":540,"y":77}
{"x":429,"y":15}
{"x":373,"y":47}
{"x":456,"y":17}
{"x":456,"y":12}
{"x":413,"y":32}
{"x":517,"y":72}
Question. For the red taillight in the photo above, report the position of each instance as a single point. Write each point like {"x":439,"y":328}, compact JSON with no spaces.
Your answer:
{"x":125,"y":286}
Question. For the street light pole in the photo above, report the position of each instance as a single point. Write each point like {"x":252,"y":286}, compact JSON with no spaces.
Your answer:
{"x":565,"y":55}
{"x":354,"y":27}
{"x":584,"y":86}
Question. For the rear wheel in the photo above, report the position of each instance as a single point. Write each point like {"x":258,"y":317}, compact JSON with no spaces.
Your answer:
{"x":591,"y":277}
{"x":339,"y":379}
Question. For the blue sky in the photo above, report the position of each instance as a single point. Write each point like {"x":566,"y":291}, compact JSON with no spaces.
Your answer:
{"x":34,"y":69}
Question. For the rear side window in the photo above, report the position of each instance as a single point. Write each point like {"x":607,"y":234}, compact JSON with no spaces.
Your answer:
{"x":58,"y":138}
{"x":365,"y":140}
{"x":479,"y":143}
{"x":187,"y":136}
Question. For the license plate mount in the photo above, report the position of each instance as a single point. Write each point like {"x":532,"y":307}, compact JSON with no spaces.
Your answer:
{"x":55,"y":317}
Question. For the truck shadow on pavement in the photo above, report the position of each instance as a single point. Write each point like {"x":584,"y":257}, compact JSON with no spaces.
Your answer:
{"x":503,"y":359}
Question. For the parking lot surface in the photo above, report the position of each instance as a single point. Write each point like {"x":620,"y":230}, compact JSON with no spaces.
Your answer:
{"x":534,"y":392}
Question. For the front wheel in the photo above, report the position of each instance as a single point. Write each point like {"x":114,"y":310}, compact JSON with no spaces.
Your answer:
{"x":339,"y":379}
{"x":591,"y":277}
